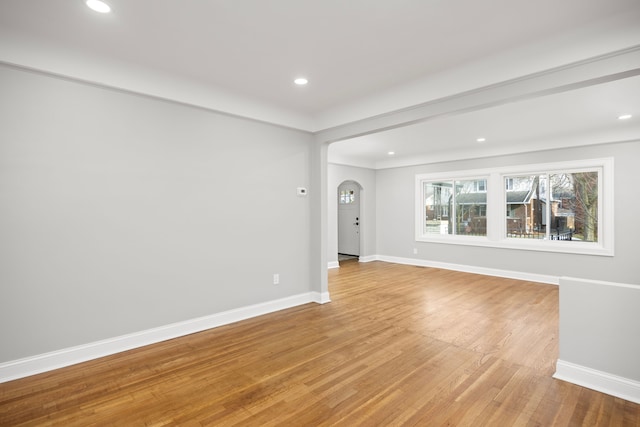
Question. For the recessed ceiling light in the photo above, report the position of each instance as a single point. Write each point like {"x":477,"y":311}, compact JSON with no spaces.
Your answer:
{"x":98,"y":6}
{"x":624,"y":117}
{"x":481,"y":139}
{"x":391,"y":153}
{"x":301,"y":81}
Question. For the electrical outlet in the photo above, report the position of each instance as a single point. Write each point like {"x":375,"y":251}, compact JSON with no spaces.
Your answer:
{"x":415,"y":251}
{"x":276,"y":279}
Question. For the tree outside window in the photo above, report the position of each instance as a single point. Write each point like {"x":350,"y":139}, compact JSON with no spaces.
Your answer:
{"x":569,"y":211}
{"x":556,"y":207}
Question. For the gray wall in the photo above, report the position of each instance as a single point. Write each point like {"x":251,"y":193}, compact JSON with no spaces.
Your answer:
{"x":600,"y":326}
{"x":337,"y":174}
{"x":120,"y":213}
{"x":395,"y":219}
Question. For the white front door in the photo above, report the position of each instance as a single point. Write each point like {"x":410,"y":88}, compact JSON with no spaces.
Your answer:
{"x":349,"y":218}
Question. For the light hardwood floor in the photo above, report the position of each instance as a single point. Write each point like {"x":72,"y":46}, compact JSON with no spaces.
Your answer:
{"x":398,"y":345}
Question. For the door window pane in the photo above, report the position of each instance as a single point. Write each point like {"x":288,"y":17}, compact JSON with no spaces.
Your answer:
{"x":347,"y":197}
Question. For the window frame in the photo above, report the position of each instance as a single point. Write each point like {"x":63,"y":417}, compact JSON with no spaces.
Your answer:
{"x":496,"y":207}
{"x":453,"y":178}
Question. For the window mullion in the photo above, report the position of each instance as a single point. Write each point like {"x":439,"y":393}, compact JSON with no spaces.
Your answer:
{"x":496,"y":217}
{"x":547,"y":207}
{"x":453,"y":218}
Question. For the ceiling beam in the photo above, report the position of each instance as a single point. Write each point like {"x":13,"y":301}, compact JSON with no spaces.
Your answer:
{"x":594,"y":71}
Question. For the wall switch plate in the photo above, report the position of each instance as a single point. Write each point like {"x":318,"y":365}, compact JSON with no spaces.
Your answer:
{"x":415,"y":251}
{"x":276,"y":279}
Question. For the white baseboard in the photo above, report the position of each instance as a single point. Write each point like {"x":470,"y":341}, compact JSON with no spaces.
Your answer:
{"x":321,"y":297}
{"x":518,"y":275}
{"x":333,"y":264}
{"x":368,"y":258}
{"x":603,"y":382}
{"x":70,"y":356}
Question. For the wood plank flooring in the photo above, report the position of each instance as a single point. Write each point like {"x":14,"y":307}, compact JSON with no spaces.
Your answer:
{"x":398,"y":345}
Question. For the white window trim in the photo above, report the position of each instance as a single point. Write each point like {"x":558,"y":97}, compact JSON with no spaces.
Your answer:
{"x":496,"y":212}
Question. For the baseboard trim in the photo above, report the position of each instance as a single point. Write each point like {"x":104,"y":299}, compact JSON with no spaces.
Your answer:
{"x":368,"y":258}
{"x":321,"y":297}
{"x":508,"y":274}
{"x":333,"y":264}
{"x":603,"y":382}
{"x":73,"y":355}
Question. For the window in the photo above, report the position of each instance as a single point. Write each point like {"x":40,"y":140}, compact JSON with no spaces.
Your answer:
{"x":454,"y":207}
{"x":346,"y":197}
{"x":470,"y":208}
{"x":436,"y":201}
{"x":556,"y":207}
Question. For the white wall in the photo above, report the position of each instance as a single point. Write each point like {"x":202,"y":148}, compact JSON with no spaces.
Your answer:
{"x":395,"y":207}
{"x":121,"y":213}
{"x":336,"y":175}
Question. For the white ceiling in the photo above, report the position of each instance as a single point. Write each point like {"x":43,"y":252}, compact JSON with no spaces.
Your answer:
{"x":362,"y":58}
{"x":579,"y":117}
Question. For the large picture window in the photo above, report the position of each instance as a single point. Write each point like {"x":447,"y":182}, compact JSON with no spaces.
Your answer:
{"x":558,"y":207}
{"x":553,"y":206}
{"x":456,"y":207}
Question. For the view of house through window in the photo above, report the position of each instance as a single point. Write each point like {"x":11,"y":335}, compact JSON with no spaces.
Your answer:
{"x":437,"y":196}
{"x":556,"y":206}
{"x":460,"y":212}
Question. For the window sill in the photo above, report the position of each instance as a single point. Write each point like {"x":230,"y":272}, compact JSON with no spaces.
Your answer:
{"x":573,"y":247}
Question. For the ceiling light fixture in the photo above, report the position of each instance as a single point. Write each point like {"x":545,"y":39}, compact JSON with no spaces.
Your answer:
{"x":391,"y":153}
{"x":481,"y":139}
{"x":301,"y":81}
{"x":98,"y":6}
{"x":624,"y":117}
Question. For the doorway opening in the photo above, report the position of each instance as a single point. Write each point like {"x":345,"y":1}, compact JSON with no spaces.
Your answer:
{"x":348,"y":221}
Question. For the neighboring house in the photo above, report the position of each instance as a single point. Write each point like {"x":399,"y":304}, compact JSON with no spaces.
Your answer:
{"x":471,"y":213}
{"x":470,"y":210}
{"x":526,"y":211}
{"x":521,"y":210}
